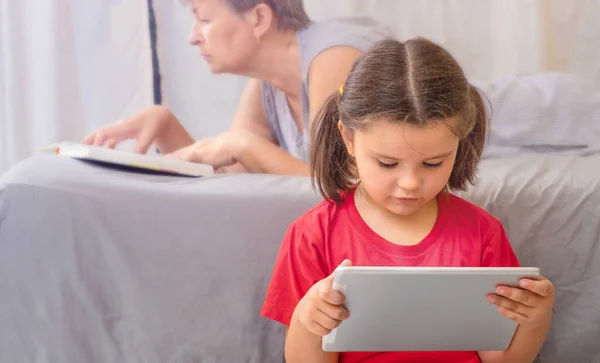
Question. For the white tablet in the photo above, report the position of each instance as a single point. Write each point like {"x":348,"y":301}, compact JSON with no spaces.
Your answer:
{"x":153,"y":163}
{"x":422,"y":309}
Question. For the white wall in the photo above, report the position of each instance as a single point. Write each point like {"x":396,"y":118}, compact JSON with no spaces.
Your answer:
{"x":490,"y":38}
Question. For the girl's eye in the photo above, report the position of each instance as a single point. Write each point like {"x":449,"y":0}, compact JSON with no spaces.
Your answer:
{"x":430,"y":165}
{"x":384,"y":165}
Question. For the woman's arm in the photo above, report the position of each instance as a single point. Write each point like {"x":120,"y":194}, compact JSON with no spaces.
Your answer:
{"x":257,"y":151}
{"x":249,"y":145}
{"x":327,"y":72}
{"x":250,"y":116}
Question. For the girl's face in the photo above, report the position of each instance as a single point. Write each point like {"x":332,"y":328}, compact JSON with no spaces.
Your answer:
{"x":226,"y":40}
{"x":402,"y":167}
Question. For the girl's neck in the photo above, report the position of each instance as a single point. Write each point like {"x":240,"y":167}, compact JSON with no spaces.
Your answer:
{"x":398,"y":229}
{"x":278,"y":62}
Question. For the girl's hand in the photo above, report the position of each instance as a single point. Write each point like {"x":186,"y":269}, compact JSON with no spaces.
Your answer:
{"x":320,"y":310}
{"x":219,"y":151}
{"x":530,"y":305}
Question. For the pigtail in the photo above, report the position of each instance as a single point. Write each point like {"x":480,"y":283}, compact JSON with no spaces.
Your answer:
{"x":330,"y":163}
{"x":470,"y":148}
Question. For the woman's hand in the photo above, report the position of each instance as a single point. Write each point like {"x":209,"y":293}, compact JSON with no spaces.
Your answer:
{"x":219,"y":151}
{"x":530,"y":305}
{"x":156,"y":124}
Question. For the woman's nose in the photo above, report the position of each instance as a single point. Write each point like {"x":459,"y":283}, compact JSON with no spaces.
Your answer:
{"x":195,"y":37}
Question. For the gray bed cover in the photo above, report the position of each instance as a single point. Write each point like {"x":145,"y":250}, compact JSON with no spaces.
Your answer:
{"x":100,"y":265}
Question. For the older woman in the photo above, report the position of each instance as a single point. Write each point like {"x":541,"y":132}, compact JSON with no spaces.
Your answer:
{"x":294,"y":65}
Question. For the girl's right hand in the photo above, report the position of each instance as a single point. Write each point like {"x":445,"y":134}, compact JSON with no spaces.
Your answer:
{"x":156,"y":124}
{"x":320,"y":310}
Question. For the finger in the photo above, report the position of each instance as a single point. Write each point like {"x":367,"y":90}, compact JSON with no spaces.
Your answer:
{"x":178,"y":154}
{"x":189,"y":154}
{"x":326,"y":291}
{"x":111,"y":143}
{"x":329,"y":295}
{"x":335,"y":312}
{"x":325,"y":320}
{"x":317,"y":329}
{"x":174,"y":155}
{"x":512,"y":315}
{"x":510,"y":305}
{"x":144,"y":140}
{"x":346,"y":262}
{"x":542,"y":287}
{"x":100,"y":139}
{"x":89,"y":139}
{"x":118,"y":132}
{"x":519,"y":295}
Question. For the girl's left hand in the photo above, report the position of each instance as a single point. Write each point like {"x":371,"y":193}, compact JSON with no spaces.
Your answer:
{"x":531,"y":304}
{"x":219,"y":151}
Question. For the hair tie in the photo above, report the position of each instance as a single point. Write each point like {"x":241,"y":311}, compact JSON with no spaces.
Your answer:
{"x":341,"y":89}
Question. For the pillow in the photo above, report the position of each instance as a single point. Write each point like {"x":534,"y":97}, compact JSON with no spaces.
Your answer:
{"x":554,"y":113}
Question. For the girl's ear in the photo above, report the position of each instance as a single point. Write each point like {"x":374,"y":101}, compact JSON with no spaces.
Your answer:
{"x":347,"y":137}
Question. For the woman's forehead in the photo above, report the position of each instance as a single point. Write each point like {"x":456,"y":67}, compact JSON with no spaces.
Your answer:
{"x":207,"y":3}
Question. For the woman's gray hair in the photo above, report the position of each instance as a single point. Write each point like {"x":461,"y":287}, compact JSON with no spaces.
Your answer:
{"x":289,"y":13}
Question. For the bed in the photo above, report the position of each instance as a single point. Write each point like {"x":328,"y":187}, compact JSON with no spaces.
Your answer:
{"x":101,"y":265}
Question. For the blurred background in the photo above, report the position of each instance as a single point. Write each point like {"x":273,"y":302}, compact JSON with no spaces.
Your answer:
{"x":68,"y":67}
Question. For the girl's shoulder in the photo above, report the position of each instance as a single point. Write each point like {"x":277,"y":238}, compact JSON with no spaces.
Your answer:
{"x":463,"y":211}
{"x":323,"y":214}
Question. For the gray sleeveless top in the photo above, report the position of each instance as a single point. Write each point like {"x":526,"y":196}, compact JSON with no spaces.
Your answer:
{"x":360,"y":33}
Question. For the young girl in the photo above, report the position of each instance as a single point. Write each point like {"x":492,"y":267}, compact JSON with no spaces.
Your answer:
{"x":386,"y":150}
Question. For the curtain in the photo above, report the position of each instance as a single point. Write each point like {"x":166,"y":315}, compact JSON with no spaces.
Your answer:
{"x":68,"y":67}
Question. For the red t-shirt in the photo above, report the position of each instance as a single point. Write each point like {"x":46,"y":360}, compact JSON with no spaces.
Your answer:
{"x":463,"y":235}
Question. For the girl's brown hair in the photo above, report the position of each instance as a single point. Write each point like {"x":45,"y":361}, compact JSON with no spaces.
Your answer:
{"x":416,"y":82}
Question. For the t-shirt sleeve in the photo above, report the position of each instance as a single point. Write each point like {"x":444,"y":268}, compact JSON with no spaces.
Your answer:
{"x":299,"y":265}
{"x":497,"y":250}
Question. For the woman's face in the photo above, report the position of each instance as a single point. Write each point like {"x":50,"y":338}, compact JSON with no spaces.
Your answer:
{"x":226,"y":40}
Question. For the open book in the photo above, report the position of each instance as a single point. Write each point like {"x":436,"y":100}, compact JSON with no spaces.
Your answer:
{"x":155,"y":163}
